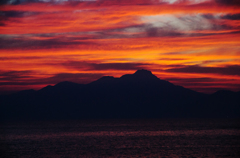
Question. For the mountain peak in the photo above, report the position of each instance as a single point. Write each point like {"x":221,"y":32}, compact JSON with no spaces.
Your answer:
{"x":106,"y":78}
{"x":141,"y":77}
{"x":143,"y":72}
{"x":103,"y":80}
{"x":145,"y":75}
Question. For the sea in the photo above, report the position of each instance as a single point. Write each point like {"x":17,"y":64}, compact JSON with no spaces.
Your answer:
{"x":112,"y":138}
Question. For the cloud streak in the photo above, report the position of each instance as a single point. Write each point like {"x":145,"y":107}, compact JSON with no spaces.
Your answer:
{"x":229,"y":2}
{"x":103,"y":66}
{"x":228,"y":70}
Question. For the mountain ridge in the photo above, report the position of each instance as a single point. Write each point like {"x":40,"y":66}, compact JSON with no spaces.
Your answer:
{"x":138,"y":95}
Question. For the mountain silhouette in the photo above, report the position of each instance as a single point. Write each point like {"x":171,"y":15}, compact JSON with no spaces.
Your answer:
{"x":138,"y":95}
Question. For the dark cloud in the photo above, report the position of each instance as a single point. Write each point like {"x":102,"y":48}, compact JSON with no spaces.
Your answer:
{"x":2,"y":2}
{"x":20,"y":58}
{"x":161,"y":31}
{"x":16,"y":14}
{"x":114,"y":32}
{"x":195,"y":80}
{"x":110,"y":2}
{"x":16,"y":2}
{"x":170,"y":59}
{"x":152,"y":31}
{"x":103,"y":66}
{"x":78,"y":65}
{"x":28,"y":43}
{"x":208,"y":16}
{"x":25,"y":78}
{"x":14,"y":75}
{"x":97,"y":2}
{"x":231,"y":16}
{"x":73,"y":77}
{"x":118,"y":66}
{"x":7,"y":15}
{"x":228,"y":70}
{"x":214,"y":61}
{"x":13,"y":81}
{"x":222,"y":27}
{"x":229,"y":2}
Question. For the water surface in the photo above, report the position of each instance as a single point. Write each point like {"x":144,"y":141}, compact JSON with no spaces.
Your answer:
{"x":122,"y":138}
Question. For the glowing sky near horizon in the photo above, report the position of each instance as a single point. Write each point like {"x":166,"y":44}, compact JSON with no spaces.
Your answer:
{"x":192,"y":43}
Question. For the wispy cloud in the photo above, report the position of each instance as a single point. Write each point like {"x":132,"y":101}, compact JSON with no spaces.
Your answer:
{"x":232,"y":16}
{"x":228,"y":2}
{"x":79,"y":65}
{"x":21,"y":42}
{"x":228,"y":70}
{"x":25,"y":78}
{"x":14,"y":75}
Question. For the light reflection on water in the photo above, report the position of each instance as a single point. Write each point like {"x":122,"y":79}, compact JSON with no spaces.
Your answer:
{"x":127,"y":134}
{"x":122,"y":138}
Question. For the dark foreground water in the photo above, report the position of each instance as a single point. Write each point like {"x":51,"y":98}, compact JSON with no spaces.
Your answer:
{"x":122,"y":138}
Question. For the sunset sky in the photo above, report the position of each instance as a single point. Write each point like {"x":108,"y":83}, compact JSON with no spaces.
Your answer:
{"x":192,"y":43}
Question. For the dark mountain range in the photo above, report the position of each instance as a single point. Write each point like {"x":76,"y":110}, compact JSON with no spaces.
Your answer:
{"x":138,"y":95}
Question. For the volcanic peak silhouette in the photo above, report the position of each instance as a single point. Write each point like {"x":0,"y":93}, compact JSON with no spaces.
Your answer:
{"x":137,"y":95}
{"x":143,"y":72}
